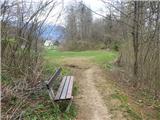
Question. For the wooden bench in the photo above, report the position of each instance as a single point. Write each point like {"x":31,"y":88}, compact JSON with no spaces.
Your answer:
{"x":65,"y":89}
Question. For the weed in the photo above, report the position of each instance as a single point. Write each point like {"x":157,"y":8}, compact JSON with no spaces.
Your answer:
{"x":47,"y":111}
{"x":6,"y":79}
{"x":125,"y":106}
{"x":75,"y":89}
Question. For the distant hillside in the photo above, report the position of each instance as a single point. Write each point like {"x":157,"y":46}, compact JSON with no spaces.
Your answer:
{"x":53,"y":32}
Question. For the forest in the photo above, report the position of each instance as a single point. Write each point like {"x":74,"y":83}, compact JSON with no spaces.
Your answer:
{"x":112,"y":53}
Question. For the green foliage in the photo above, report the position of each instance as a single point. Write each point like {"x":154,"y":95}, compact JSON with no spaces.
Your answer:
{"x":116,"y":46}
{"x":108,"y":66}
{"x":10,"y":41}
{"x":45,"y":110}
{"x":121,"y":97}
{"x":148,"y":98}
{"x":39,"y":111}
{"x":50,"y":67}
{"x":13,"y":100}
{"x":6,"y":79}
{"x":75,"y":89}
{"x":132,"y":113}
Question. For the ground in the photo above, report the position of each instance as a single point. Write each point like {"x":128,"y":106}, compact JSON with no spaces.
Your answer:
{"x":99,"y":97}
{"x":97,"y":92}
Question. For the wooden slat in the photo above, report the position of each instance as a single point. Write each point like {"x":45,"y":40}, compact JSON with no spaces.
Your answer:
{"x":70,"y":86}
{"x":64,"y":92}
{"x":60,"y":89}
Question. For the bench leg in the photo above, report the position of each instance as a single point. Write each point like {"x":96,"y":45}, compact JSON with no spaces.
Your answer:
{"x":69,"y":105}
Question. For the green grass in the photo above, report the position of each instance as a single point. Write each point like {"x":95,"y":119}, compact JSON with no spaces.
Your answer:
{"x":101,"y":57}
{"x":125,"y":106}
{"x":44,"y":110}
{"x":40,"y":107}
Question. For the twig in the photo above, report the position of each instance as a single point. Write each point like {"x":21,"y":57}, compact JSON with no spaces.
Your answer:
{"x":21,"y":115}
{"x":18,"y":107}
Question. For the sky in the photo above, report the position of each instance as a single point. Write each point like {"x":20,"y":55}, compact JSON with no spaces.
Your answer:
{"x":95,"y":5}
{"x":59,"y":10}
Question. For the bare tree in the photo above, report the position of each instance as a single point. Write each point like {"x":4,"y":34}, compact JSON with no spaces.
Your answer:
{"x":21,"y":48}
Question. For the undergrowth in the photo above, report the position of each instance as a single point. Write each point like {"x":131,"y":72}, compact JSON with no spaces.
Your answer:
{"x":38,"y":106}
{"x":124,"y":106}
{"x":44,"y":109}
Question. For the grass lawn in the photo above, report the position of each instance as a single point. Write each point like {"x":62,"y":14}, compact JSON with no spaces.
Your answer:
{"x":101,"y":57}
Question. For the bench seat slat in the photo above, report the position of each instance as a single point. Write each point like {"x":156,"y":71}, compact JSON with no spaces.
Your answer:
{"x":64,"y":92}
{"x":70,"y":86}
{"x":60,"y":88}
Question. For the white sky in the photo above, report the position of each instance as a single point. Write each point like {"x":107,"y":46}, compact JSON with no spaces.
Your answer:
{"x":95,"y":5}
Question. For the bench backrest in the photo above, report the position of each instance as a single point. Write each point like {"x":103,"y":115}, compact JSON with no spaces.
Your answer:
{"x":50,"y":82}
{"x":54,"y":77}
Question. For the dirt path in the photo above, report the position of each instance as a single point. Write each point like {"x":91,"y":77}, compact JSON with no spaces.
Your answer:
{"x":89,"y":99}
{"x":94,"y":104}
